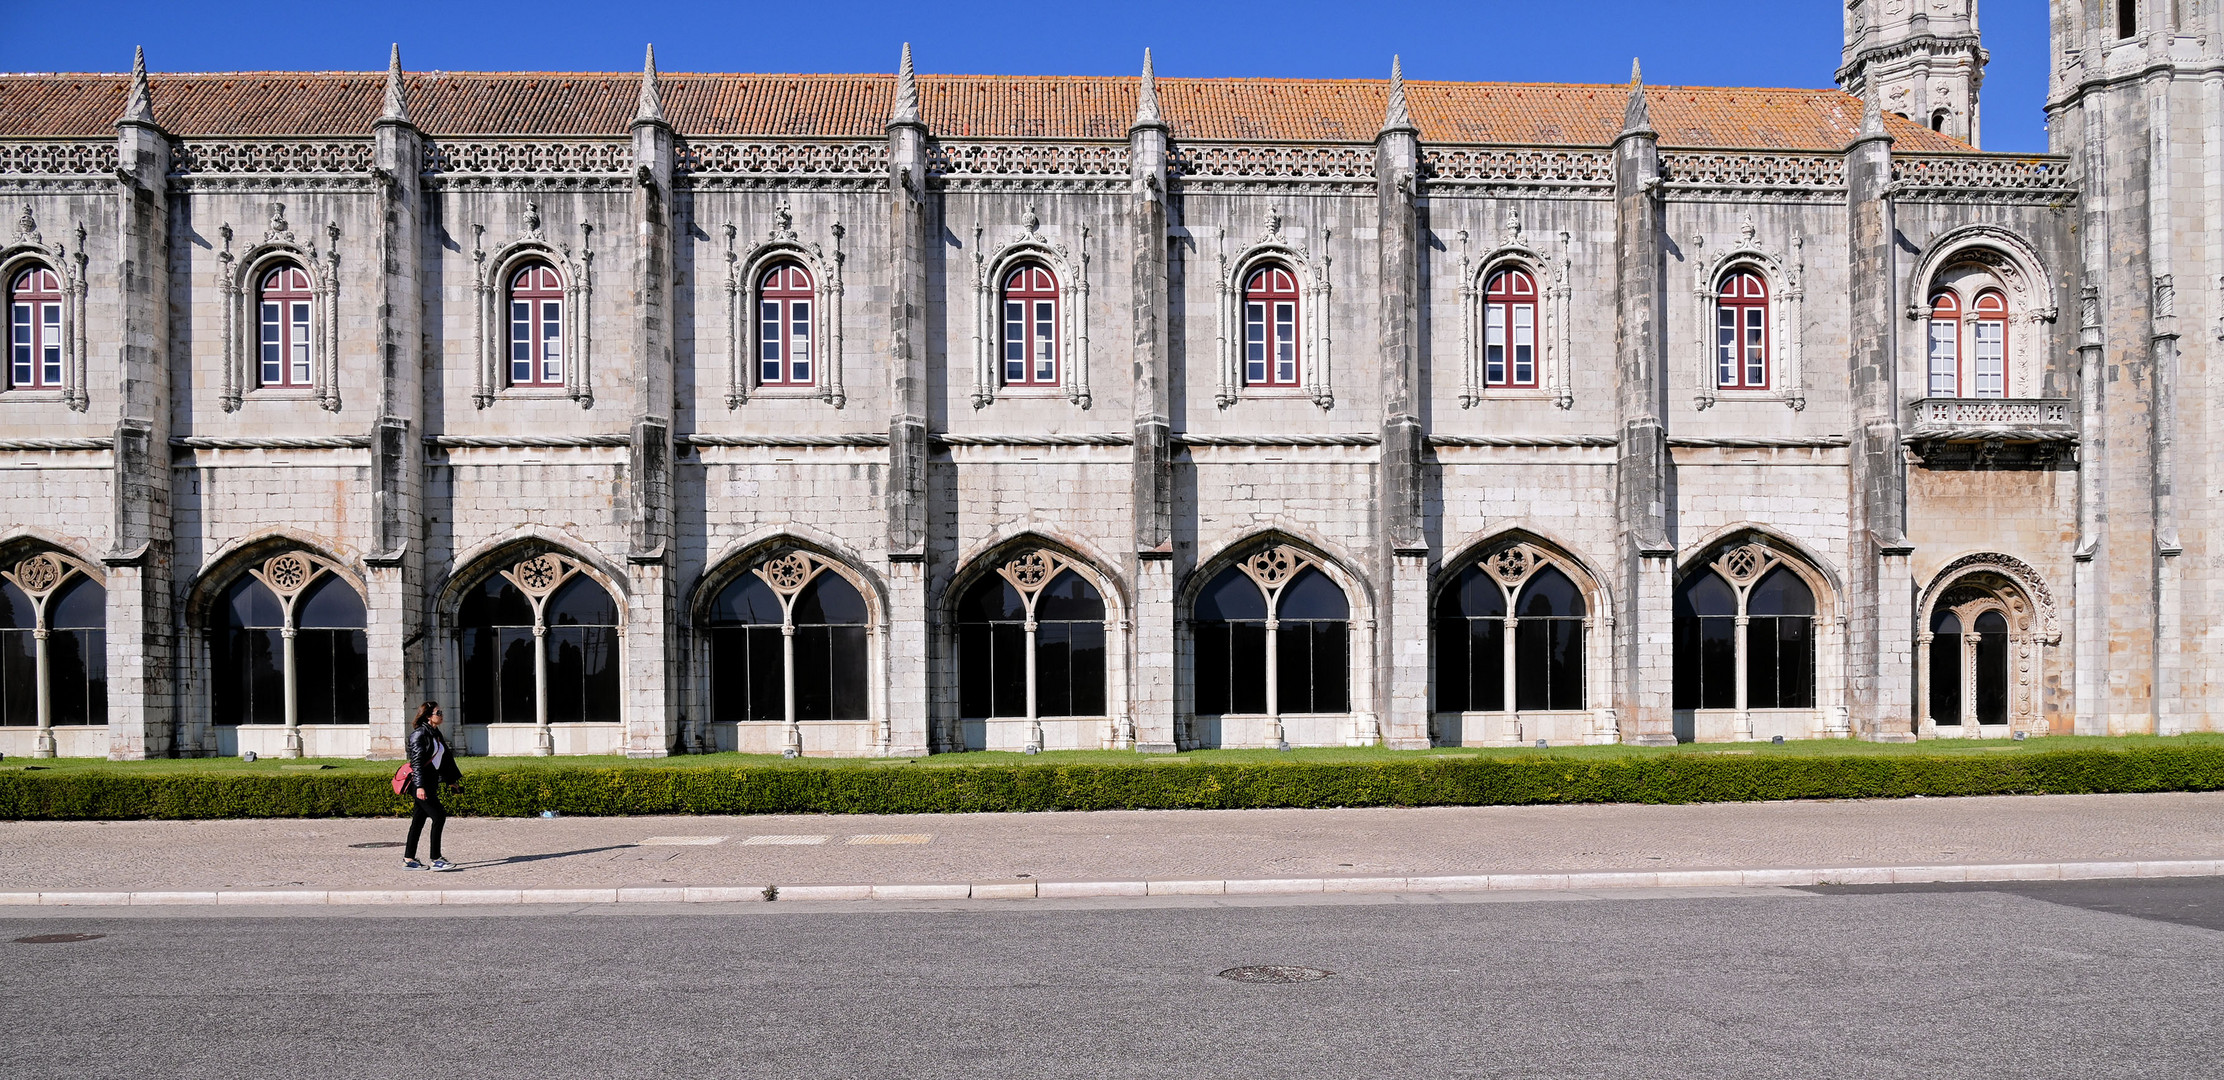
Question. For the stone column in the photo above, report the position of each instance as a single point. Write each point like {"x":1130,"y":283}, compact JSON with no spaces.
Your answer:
{"x":910,"y":638}
{"x":398,"y":635}
{"x":1151,"y":655}
{"x":653,"y":648}
{"x":1880,"y":593}
{"x":1401,"y":698}
{"x":142,"y":630}
{"x":1644,"y":653}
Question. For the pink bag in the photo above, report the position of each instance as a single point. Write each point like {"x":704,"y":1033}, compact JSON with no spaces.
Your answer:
{"x":401,"y":778}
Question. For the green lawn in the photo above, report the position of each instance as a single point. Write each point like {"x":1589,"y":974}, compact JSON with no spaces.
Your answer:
{"x":1805,"y":748}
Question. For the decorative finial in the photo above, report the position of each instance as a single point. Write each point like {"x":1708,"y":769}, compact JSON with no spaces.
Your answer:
{"x":652,"y":99}
{"x":907,"y":93}
{"x":1146,"y":99}
{"x":1872,"y":112}
{"x":395,"y":110}
{"x":1637,"y":117}
{"x":139,"y":107}
{"x":27,"y":227}
{"x":1395,"y":117}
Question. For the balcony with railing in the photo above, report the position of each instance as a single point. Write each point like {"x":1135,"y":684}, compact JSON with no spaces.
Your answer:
{"x":1991,"y":431}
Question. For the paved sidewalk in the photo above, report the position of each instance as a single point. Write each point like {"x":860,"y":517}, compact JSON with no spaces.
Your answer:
{"x":1026,"y":850}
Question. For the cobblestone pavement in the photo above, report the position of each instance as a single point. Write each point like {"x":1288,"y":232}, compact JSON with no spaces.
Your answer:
{"x":1121,"y":845}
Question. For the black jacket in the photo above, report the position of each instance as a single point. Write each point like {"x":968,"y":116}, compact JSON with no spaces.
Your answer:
{"x":423,"y":753}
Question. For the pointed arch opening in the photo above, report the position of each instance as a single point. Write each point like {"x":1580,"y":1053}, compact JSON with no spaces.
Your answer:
{"x":539,"y":641}
{"x":53,"y":649}
{"x":1271,"y":646}
{"x":1752,"y":633}
{"x":790,"y":654}
{"x":287,"y":648}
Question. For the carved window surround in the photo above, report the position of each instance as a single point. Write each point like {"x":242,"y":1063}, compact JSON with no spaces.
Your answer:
{"x":744,"y":272}
{"x":2015,"y":268}
{"x":1787,"y":329}
{"x":239,"y":284}
{"x":1071,"y":268}
{"x":1514,"y":252}
{"x":1510,"y":566}
{"x":41,"y":576}
{"x":1311,"y":268}
{"x":490,"y":329}
{"x":29,"y":250}
{"x":1969,"y":586}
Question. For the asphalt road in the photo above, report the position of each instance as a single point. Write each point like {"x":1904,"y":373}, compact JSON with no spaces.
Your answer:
{"x":2111,"y":979}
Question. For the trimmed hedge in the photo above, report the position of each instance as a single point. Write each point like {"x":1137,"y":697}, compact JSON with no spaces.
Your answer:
{"x":1663,"y":778}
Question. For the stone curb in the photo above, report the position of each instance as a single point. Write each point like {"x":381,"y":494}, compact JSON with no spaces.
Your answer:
{"x":1029,"y":890}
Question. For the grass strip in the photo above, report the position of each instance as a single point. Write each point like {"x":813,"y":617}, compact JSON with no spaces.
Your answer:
{"x":502,"y":788}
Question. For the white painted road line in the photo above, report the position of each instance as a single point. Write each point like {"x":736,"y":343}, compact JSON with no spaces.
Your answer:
{"x":1006,"y":890}
{"x":682,"y":841}
{"x":892,"y":838}
{"x":783,"y":841}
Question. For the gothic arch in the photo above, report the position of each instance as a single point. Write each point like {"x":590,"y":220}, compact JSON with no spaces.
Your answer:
{"x":982,"y":557}
{"x":1784,"y":271}
{"x":29,"y":251}
{"x":1831,"y":702}
{"x":228,"y":562}
{"x":993,"y":556}
{"x":1318,"y":334}
{"x":1598,"y":646}
{"x":1970,"y":585}
{"x":1029,"y":245}
{"x":2039,"y":618}
{"x":824,"y":556}
{"x":1480,"y":545}
{"x":2004,"y":258}
{"x":1804,"y":561}
{"x":739,"y":558}
{"x":26,"y":540}
{"x":1364,"y":726}
{"x":474,"y":565}
{"x":1332,"y":560}
{"x":745,"y":270}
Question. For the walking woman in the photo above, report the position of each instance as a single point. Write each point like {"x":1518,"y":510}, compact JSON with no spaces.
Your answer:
{"x":430,"y":765}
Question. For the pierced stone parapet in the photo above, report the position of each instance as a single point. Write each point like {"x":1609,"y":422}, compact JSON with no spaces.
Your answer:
{"x":54,"y":158}
{"x":1754,"y":171}
{"x":757,"y":157}
{"x":197,"y":157}
{"x":1949,"y":432}
{"x":1258,"y":161}
{"x":1986,"y":172}
{"x":1454,"y":164}
{"x":527,"y":156}
{"x":1028,"y":159}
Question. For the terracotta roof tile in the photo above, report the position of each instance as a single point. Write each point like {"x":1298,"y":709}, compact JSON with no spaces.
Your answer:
{"x":955,"y":106}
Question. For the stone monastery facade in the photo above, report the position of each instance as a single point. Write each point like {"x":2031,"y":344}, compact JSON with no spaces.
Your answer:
{"x":888,"y":415}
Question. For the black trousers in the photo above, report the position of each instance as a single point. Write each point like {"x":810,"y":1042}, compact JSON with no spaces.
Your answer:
{"x":426,"y":809}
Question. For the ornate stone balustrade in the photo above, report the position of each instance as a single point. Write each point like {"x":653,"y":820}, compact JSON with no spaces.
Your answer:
{"x":57,"y":158}
{"x":1539,"y":165}
{"x":527,"y":156}
{"x":1259,"y":161}
{"x":201,"y":157}
{"x":772,"y":158}
{"x":1985,"y":172}
{"x":1755,"y":171}
{"x":1028,"y":159}
{"x":1976,"y":431}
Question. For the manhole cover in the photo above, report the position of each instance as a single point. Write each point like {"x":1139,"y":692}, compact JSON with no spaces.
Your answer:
{"x":1273,"y":973}
{"x":379,"y":843}
{"x":56,"y":939}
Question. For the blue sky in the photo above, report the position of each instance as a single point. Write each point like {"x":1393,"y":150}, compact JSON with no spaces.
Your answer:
{"x":1774,"y":43}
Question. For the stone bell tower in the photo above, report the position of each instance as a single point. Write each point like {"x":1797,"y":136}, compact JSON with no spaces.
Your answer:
{"x":1923,"y":57}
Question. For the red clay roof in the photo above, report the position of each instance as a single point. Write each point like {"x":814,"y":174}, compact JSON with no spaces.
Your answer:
{"x":955,"y":106}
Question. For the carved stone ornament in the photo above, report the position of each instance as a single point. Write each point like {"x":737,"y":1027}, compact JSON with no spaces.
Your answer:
{"x":27,"y":228}
{"x":39,"y":574}
{"x":789,"y":573}
{"x":1512,"y":565}
{"x":540,"y":575}
{"x":1031,"y":572}
{"x":783,"y":225}
{"x":2006,"y":576}
{"x":288,"y":573}
{"x":278,"y":232}
{"x":1274,"y":567}
{"x":1744,"y":564}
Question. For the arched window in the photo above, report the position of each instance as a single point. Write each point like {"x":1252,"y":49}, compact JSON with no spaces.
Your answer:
{"x":46,"y":593}
{"x":784,"y":326}
{"x":2127,"y":18}
{"x":536,"y":326}
{"x":1030,"y":327}
{"x":1745,"y":635}
{"x":286,"y":301}
{"x":1273,"y":637}
{"x":1510,"y":329}
{"x":35,"y":330}
{"x":1048,"y":636}
{"x":538,"y":644}
{"x":1989,"y":364}
{"x":1938,"y":120}
{"x":1945,"y":344}
{"x":287,"y":641}
{"x":1946,"y":661}
{"x":1741,"y":332}
{"x":789,"y":615}
{"x":1539,"y":647}
{"x":1967,"y":670}
{"x":1270,"y":323}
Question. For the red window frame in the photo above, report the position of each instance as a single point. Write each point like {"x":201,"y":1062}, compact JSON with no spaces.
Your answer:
{"x":1271,"y":324}
{"x":1991,"y":333}
{"x":1943,"y":351}
{"x":286,"y":308}
{"x":1510,"y":329}
{"x":35,"y":330}
{"x":1741,"y":332}
{"x":784,"y":307}
{"x":1030,"y":327}
{"x":536,"y":303}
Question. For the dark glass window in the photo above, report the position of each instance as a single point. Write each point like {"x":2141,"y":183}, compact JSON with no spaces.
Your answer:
{"x":1945,"y":669}
{"x":1311,"y":644}
{"x":1780,"y":643}
{"x":19,"y":658}
{"x":1471,"y":644}
{"x":749,"y":655}
{"x":249,"y":649}
{"x":1230,"y":635}
{"x":1706,"y":643}
{"x":1069,"y":649}
{"x":77,"y":652}
{"x":1992,"y":668}
{"x":1548,"y":643}
{"x":582,"y":646}
{"x":331,"y":665}
{"x":495,"y":641}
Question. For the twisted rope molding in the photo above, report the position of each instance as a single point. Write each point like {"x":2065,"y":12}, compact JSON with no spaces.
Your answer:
{"x":784,"y":440}
{"x":56,"y":444}
{"x":1032,"y":440}
{"x":532,"y":442}
{"x":305,"y":442}
{"x":1990,"y":434}
{"x":1277,"y":440}
{"x":1820,"y":442}
{"x":1524,"y":440}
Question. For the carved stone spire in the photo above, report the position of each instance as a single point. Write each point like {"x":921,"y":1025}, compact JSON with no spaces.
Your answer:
{"x":907,"y":93}
{"x":395,"y":110}
{"x":1872,"y":113}
{"x":652,"y":98}
{"x":138,"y":108}
{"x":1146,"y":99}
{"x":1637,"y":118}
{"x":1395,"y":117}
